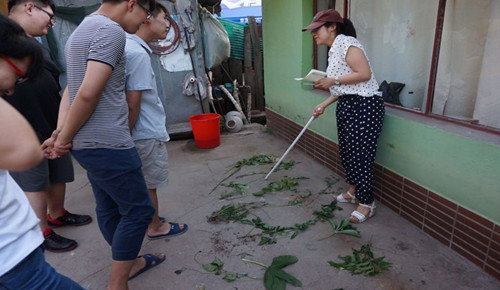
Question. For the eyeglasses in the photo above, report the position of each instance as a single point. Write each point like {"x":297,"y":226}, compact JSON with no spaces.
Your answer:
{"x":148,"y":17}
{"x":52,"y":16}
{"x":19,"y":72}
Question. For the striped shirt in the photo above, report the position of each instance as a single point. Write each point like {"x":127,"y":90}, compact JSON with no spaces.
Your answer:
{"x":99,"y":38}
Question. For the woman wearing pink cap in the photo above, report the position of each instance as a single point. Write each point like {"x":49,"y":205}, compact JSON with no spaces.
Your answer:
{"x":360,"y":109}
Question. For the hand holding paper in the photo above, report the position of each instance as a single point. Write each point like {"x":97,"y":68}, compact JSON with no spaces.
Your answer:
{"x":312,"y":76}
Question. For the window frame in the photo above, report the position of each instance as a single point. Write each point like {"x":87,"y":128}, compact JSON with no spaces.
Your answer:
{"x":432,"y":76}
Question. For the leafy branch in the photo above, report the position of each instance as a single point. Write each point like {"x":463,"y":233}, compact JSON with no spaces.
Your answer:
{"x":250,"y":174}
{"x":233,"y":212}
{"x":326,"y":211}
{"x":344,"y":227}
{"x":269,"y":233}
{"x":330,"y":182}
{"x":286,"y":183}
{"x":274,"y":277}
{"x":230,"y":212}
{"x":216,"y":267}
{"x":286,"y":165}
{"x":258,"y":159}
{"x":238,"y":189}
{"x":362,"y":262}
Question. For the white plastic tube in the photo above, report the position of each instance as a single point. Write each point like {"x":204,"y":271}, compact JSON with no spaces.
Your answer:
{"x":236,"y":105}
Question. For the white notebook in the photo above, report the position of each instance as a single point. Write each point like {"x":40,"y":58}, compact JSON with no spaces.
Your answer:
{"x":312,"y":76}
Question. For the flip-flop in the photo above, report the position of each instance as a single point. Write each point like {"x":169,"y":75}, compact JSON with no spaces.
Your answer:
{"x":175,"y":230}
{"x":162,"y":219}
{"x":151,"y":262}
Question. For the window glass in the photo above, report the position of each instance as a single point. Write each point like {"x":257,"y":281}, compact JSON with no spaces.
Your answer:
{"x":468,"y":69}
{"x":398,"y":36}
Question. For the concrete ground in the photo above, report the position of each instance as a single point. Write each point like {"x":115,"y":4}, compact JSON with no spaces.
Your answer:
{"x":418,"y":261}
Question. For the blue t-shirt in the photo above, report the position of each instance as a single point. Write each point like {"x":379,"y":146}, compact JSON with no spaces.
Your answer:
{"x":151,"y":123}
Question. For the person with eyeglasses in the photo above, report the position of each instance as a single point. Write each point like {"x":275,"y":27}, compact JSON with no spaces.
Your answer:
{"x":38,"y":101}
{"x":23,"y":264}
{"x":147,"y":116}
{"x":21,"y":76}
{"x":93,"y":122}
{"x":52,"y":17}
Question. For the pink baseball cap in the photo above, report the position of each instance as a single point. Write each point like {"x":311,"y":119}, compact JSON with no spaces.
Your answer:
{"x":323,"y":17}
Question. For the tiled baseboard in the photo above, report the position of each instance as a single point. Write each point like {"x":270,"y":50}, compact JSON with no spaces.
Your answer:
{"x":470,"y":235}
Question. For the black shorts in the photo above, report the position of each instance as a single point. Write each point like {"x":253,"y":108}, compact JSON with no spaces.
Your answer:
{"x":49,"y":171}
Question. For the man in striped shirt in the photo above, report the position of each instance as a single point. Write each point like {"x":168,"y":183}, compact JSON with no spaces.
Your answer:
{"x":93,"y":122}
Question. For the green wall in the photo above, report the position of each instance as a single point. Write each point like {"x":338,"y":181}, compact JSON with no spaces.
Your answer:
{"x":456,"y":167}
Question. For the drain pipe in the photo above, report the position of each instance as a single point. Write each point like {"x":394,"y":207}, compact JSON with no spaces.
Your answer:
{"x":209,"y":92}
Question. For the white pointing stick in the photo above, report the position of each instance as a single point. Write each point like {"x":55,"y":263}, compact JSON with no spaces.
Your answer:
{"x":291,"y":146}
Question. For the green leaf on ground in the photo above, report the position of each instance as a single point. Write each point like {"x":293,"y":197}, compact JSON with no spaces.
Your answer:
{"x":326,"y":211}
{"x":214,"y":267}
{"x":238,"y":189}
{"x":286,"y":183}
{"x":231,"y":277}
{"x":330,"y":182}
{"x":274,"y":277}
{"x":269,"y":233}
{"x":362,"y":262}
{"x":230,"y":212}
{"x":258,"y":159}
{"x":286,"y":165}
{"x":344,"y":227}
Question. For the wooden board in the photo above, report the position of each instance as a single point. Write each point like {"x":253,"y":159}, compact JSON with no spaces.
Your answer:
{"x":259,"y":77}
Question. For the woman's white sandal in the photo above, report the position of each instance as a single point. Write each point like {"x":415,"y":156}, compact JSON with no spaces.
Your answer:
{"x":361,"y":217}
{"x":341,"y":198}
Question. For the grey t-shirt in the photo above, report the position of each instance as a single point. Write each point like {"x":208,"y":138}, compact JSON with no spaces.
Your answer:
{"x":99,"y":38}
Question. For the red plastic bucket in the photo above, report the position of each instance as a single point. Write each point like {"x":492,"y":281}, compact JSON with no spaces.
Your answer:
{"x":206,"y":130}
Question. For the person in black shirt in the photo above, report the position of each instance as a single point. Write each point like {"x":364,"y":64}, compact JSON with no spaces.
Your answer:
{"x":38,"y":101}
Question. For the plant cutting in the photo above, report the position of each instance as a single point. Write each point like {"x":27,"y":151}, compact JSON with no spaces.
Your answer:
{"x":362,"y":262}
{"x":258,"y":159}
{"x":330,"y":182}
{"x":344,"y":228}
{"x":269,"y":233}
{"x":326,"y":211}
{"x":286,"y":183}
{"x":238,"y":189}
{"x":229,"y":212}
{"x":216,"y":267}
